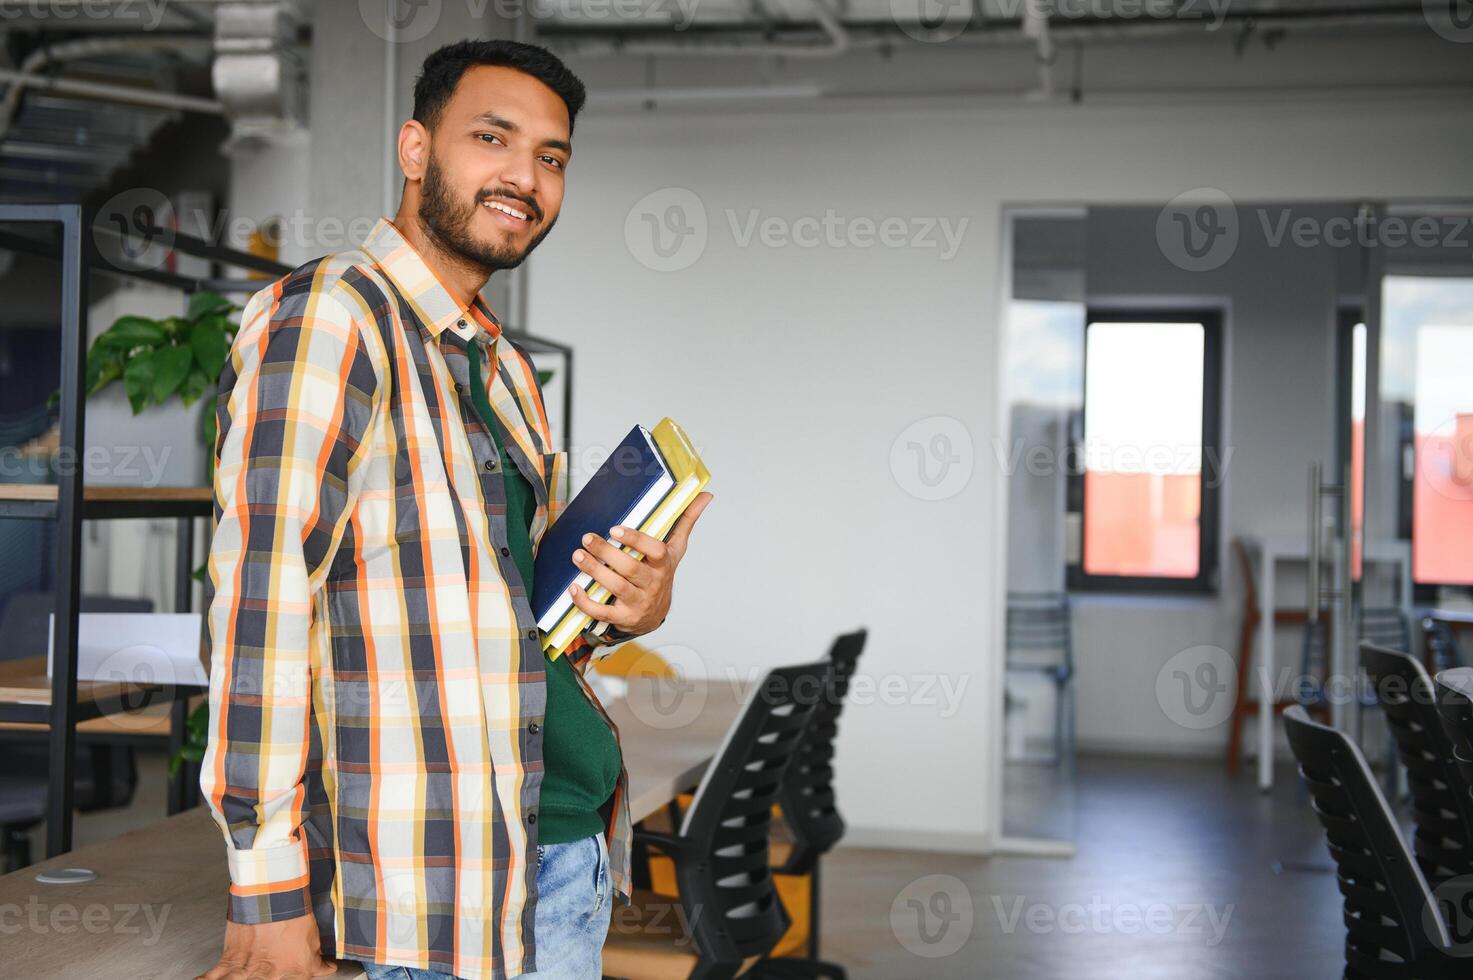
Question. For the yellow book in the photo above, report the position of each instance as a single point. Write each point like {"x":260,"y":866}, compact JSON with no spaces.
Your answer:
{"x":691,"y":477}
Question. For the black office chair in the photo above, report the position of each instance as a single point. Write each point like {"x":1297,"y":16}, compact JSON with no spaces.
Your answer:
{"x":1040,"y":640}
{"x":105,"y":775}
{"x":811,"y":818}
{"x":1455,"y":708}
{"x":1441,"y":803}
{"x":727,"y":915}
{"x":1394,"y":928}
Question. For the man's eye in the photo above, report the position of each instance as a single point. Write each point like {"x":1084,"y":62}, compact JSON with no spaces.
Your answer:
{"x":553,"y":161}
{"x":489,"y":136}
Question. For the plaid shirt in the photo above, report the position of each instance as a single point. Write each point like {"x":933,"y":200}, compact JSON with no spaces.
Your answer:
{"x":377,"y":685}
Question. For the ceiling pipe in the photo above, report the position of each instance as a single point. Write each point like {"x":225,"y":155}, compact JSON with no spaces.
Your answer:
{"x":1036,"y":26}
{"x":835,"y":41}
{"x":104,"y":92}
{"x":890,"y":37}
{"x":27,"y":76}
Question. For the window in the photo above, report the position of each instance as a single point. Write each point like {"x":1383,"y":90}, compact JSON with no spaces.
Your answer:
{"x":1148,"y":460}
{"x":1428,"y":353}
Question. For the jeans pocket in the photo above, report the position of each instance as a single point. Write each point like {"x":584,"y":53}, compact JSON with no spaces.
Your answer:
{"x":601,"y":873}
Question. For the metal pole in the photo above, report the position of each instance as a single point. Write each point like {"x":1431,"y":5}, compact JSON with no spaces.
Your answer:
{"x":63,"y":741}
{"x":179,"y":795}
{"x":1312,"y":598}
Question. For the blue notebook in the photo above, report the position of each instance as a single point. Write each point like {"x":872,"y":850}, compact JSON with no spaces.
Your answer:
{"x":626,"y":489}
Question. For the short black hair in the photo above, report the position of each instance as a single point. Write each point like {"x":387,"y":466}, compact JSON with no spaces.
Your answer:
{"x":441,"y":72}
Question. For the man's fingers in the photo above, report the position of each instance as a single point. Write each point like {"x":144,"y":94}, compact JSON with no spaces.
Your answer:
{"x":616,"y":558}
{"x":611,"y":613}
{"x":604,"y":575}
{"x":651,"y":547}
{"x":680,"y":534}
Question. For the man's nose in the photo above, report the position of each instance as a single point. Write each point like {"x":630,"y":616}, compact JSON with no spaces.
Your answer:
{"x":520,"y":174}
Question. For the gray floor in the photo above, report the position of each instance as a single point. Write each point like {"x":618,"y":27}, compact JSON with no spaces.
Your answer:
{"x":1163,"y":847}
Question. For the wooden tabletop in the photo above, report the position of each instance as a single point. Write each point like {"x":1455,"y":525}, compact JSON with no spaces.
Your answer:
{"x":90,"y":492}
{"x":157,"y":908}
{"x":25,"y":681}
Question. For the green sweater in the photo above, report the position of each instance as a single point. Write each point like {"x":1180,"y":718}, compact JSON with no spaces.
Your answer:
{"x":580,"y":755}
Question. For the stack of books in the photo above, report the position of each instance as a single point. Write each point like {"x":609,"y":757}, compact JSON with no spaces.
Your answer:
{"x":646,"y":483}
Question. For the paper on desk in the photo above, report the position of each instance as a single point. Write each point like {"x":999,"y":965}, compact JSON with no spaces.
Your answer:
{"x":140,"y":648}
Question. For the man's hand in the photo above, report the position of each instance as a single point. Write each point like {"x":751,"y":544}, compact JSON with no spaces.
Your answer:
{"x":287,"y":950}
{"x":641,"y":589}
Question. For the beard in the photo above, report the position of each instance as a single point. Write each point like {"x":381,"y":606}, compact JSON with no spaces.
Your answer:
{"x":448,"y":223}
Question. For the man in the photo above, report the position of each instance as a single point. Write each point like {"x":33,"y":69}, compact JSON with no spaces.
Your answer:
{"x":385,"y":729}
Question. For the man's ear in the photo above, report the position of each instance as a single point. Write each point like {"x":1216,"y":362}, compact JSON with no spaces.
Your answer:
{"x":414,"y":149}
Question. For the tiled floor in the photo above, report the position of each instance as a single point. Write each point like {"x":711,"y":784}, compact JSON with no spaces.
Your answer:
{"x":1182,"y":872}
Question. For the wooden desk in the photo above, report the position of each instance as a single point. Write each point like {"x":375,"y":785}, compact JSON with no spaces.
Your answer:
{"x":157,"y":908}
{"x":25,"y":698}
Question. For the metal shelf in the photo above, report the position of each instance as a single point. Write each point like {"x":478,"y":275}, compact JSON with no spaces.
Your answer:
{"x":60,"y":702}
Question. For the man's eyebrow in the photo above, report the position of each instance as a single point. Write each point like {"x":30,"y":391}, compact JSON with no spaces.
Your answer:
{"x":490,"y":118}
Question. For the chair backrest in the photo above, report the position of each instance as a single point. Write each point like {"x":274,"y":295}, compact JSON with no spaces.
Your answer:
{"x":1386,"y":626}
{"x":1455,"y":708}
{"x":723,"y":870}
{"x":809,"y":807}
{"x":1440,"y":800}
{"x":1038,"y":632}
{"x":1389,"y":909}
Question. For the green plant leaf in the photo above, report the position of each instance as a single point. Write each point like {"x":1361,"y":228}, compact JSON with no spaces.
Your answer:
{"x":129,"y":332}
{"x":196,"y":383}
{"x":543,"y":377}
{"x":210,"y":345}
{"x":206,"y":302}
{"x":176,"y":328}
{"x":138,"y":377}
{"x":171,"y":366}
{"x":104,"y":366}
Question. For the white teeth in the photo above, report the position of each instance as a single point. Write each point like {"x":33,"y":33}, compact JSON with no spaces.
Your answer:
{"x":509,"y":210}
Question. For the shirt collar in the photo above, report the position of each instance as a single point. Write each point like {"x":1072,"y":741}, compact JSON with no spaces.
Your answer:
{"x":424,"y":291}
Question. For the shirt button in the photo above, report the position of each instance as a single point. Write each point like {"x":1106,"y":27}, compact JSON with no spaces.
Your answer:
{"x":505,"y":551}
{"x":459,"y":386}
{"x":531,"y":634}
{"x":491,"y":464}
{"x":531,"y":818}
{"x":533,"y":728}
{"x":460,"y":323}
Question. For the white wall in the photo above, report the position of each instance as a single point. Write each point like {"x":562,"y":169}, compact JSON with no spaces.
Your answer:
{"x":796,"y":369}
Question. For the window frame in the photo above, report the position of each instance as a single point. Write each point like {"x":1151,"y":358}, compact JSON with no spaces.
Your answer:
{"x":1205,"y":582}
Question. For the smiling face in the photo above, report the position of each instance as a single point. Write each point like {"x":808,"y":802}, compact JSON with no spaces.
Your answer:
{"x":486,"y":183}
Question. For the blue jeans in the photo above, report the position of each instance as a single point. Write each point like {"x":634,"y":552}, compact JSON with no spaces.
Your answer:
{"x":574,"y":898}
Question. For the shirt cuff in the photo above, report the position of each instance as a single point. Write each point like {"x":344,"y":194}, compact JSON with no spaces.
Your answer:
{"x":268,"y":884}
